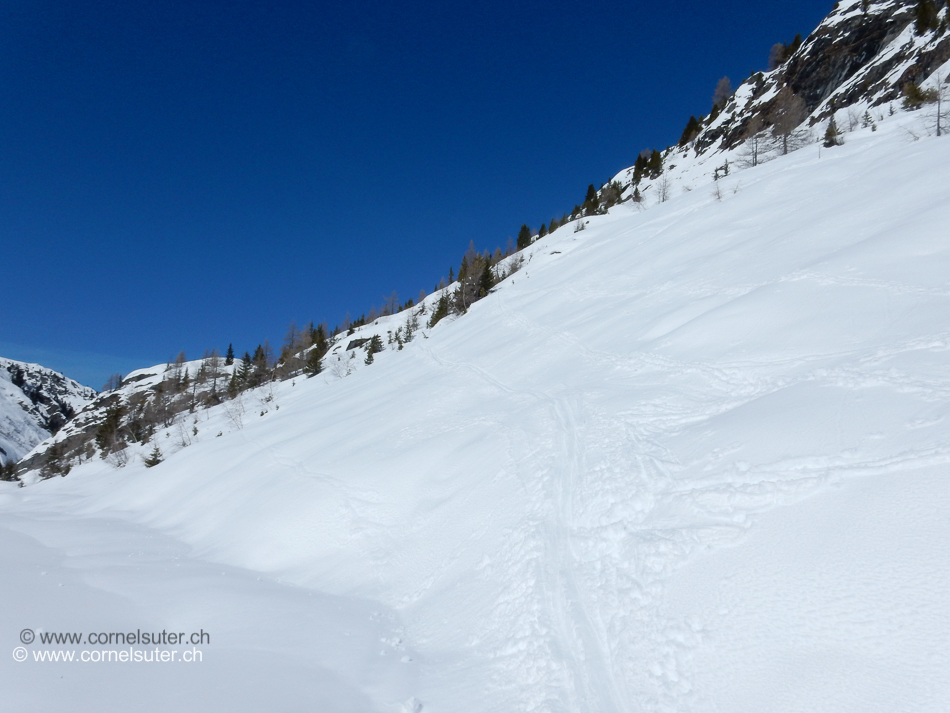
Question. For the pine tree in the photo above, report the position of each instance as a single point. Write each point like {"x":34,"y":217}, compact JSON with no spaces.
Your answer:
{"x":832,"y":135}
{"x":524,"y":236}
{"x":229,"y":357}
{"x":655,"y":164}
{"x":154,"y":458}
{"x":542,"y":231}
{"x":108,"y":436}
{"x":690,"y":132}
{"x":440,"y":312}
{"x":243,"y":372}
{"x":915,"y":97}
{"x":486,"y":280}
{"x":8,"y":472}
{"x":925,"y":16}
{"x":640,"y":167}
{"x":313,"y":365}
{"x":374,"y":346}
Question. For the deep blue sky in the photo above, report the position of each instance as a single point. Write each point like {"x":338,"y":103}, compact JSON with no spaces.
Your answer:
{"x":181,"y":175}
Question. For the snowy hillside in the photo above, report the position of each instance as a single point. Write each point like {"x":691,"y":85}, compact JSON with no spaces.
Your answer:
{"x":693,"y":458}
{"x":34,"y":402}
{"x":855,"y":67}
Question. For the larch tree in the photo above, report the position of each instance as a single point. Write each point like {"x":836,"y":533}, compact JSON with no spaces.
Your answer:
{"x":788,"y":112}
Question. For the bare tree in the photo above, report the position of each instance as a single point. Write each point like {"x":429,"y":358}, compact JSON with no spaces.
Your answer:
{"x":234,"y":410}
{"x":788,"y":112}
{"x":776,"y":56}
{"x":392,"y":303}
{"x":291,"y":339}
{"x":113,"y":382}
{"x":723,"y":92}
{"x":940,"y":97}
{"x":854,"y":118}
{"x":754,"y":143}
{"x":663,"y":188}
{"x":214,"y":371}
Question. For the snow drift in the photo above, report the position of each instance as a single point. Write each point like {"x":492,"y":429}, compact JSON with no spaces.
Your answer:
{"x":692,"y":458}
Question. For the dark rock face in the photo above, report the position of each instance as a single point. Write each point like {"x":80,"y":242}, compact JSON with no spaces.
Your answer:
{"x":35,"y":403}
{"x":836,"y":51}
{"x":852,"y":57}
{"x":52,"y":395}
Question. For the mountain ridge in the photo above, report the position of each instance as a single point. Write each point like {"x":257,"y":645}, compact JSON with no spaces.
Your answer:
{"x":35,"y":403}
{"x":872,"y":47}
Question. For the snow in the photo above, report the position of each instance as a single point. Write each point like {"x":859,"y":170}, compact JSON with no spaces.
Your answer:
{"x":692,"y":458}
{"x":22,"y":421}
{"x":19,"y":429}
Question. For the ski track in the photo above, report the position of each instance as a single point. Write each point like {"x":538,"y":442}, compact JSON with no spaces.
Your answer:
{"x":646,"y":392}
{"x":639,"y":519}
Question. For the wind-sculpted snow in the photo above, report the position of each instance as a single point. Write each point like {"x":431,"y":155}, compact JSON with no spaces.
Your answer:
{"x":690,"y":459}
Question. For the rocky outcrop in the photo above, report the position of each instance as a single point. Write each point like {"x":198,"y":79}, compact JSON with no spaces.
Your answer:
{"x":858,"y":55}
{"x":35,"y":402}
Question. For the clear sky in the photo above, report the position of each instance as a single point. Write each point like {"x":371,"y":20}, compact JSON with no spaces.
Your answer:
{"x":182,"y":175}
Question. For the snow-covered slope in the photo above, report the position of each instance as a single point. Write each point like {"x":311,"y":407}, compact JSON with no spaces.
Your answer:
{"x":854,"y":67}
{"x":34,"y":402}
{"x":693,"y":458}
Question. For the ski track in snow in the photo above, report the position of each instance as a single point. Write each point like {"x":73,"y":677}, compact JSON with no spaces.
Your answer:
{"x":601,"y":489}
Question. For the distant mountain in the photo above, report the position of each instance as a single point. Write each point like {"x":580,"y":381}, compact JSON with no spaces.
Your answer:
{"x":35,"y":403}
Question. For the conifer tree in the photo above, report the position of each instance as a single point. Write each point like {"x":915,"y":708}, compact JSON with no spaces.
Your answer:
{"x":154,"y":458}
{"x":8,"y":471}
{"x":690,"y":132}
{"x":524,"y":236}
{"x":243,"y":372}
{"x":832,"y":135}
{"x":313,"y":365}
{"x":925,"y":16}
{"x":486,"y":280}
{"x":374,"y":346}
{"x":655,"y":164}
{"x":440,"y":312}
{"x":229,"y":357}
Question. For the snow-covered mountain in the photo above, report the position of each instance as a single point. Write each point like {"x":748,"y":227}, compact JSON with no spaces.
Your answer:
{"x":35,"y":402}
{"x":146,"y":398}
{"x":691,"y":458}
{"x":855,"y":66}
